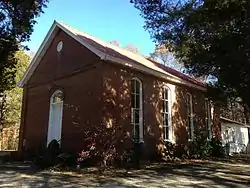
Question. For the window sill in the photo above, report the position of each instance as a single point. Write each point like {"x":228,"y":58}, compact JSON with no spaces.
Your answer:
{"x":168,"y":140}
{"x":138,"y":142}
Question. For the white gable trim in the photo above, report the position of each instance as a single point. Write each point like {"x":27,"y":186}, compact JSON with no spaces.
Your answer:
{"x":45,"y":45}
{"x":232,"y":122}
{"x":140,"y":67}
{"x":91,"y":48}
{"x":39,"y":54}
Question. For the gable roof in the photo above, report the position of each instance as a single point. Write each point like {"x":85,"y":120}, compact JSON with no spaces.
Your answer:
{"x":232,"y":122}
{"x":109,"y":52}
{"x":178,"y":74}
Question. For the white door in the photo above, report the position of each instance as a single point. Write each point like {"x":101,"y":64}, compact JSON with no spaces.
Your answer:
{"x":55,"y":117}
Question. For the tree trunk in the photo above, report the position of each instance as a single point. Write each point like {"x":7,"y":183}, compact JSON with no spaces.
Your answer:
{"x":2,"y":106}
{"x":247,"y":113}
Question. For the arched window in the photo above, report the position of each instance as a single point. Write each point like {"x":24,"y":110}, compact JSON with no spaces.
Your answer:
{"x":55,"y":117}
{"x":208,"y":118}
{"x":190,"y":115}
{"x":57,"y":97}
{"x":136,"y":110}
{"x":166,"y":114}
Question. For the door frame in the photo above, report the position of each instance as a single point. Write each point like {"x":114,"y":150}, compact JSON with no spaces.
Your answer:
{"x":52,"y":115}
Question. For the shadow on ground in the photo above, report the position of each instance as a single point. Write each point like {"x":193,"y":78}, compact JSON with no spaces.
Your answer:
{"x":199,"y":174}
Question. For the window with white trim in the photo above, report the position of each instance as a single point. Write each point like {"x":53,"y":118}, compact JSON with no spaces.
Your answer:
{"x":166,"y":114}
{"x":55,"y":117}
{"x":190,"y":115}
{"x":136,"y":110}
{"x":57,"y":97}
{"x":208,"y":118}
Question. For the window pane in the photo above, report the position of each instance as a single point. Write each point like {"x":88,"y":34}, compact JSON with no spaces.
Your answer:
{"x":163,"y":119}
{"x":166,"y":106}
{"x":132,"y":100}
{"x":166,"y":120}
{"x":165,"y":114}
{"x":166,"y":93}
{"x":137,"y":101}
{"x":137,"y":115}
{"x":208,"y":117}
{"x":136,"y":132}
{"x":132,"y":116}
{"x":137,"y":87}
{"x":136,"y":107}
{"x":166,"y":133}
{"x":189,"y":127}
{"x":189,"y":105}
{"x":163,"y":106}
{"x":206,"y":107}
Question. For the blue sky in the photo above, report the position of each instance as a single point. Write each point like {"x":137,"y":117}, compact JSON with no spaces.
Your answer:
{"x":105,"y":19}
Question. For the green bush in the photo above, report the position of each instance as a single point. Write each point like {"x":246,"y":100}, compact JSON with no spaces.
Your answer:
{"x":67,"y":159}
{"x":169,"y":151}
{"x":217,"y":149}
{"x":136,"y":157}
{"x":52,"y":157}
{"x":48,"y":156}
{"x":54,"y":147}
{"x":202,"y":148}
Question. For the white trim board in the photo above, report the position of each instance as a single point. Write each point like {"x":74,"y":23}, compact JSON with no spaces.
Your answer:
{"x":232,"y":122}
{"x":143,"y":64}
{"x":39,"y":54}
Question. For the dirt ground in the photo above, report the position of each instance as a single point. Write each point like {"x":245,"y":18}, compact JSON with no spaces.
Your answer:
{"x":199,"y":174}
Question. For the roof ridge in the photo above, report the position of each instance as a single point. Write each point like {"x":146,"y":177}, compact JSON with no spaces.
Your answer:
{"x":132,"y":55}
{"x":107,"y":44}
{"x":110,"y":52}
{"x":74,"y":29}
{"x":186,"y":75}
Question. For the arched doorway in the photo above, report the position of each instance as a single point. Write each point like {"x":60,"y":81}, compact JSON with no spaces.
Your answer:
{"x":55,"y":117}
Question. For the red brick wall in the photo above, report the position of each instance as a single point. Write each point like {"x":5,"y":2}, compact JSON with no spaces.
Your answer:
{"x":76,"y":71}
{"x":116,"y":81}
{"x":97,"y":103}
{"x":116,"y":106}
{"x":72,"y":59}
